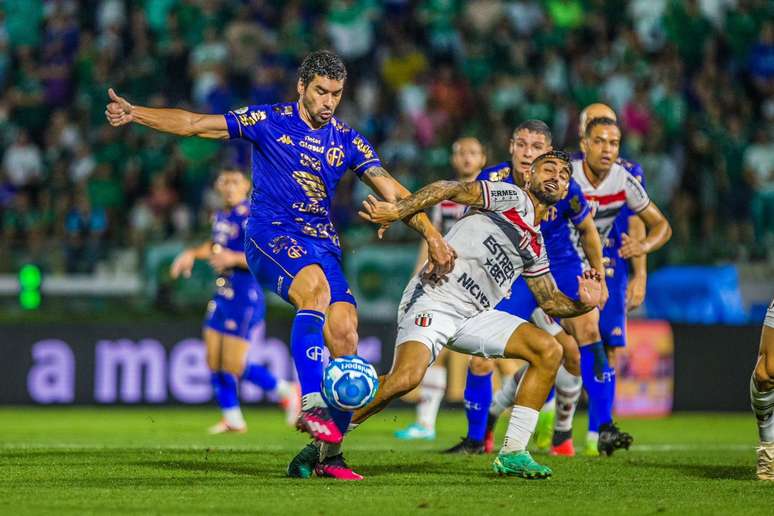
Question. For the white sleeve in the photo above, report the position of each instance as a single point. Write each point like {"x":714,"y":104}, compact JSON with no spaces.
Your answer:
{"x":636,"y":197}
{"x":499,"y":196}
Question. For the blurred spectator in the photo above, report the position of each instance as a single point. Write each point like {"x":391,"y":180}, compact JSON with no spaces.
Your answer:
{"x":23,"y":162}
{"x":691,"y":81}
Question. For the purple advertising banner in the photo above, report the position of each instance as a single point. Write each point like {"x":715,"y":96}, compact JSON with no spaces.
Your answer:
{"x":138,"y":364}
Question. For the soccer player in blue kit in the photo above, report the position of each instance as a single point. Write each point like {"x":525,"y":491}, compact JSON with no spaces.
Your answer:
{"x":300,"y":152}
{"x":530,"y":139}
{"x":236,"y":312}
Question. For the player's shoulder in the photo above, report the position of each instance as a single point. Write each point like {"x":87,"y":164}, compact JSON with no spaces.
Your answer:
{"x":630,"y":166}
{"x":252,"y":114}
{"x":497,"y":172}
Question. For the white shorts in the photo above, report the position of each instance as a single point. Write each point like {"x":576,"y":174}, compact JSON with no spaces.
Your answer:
{"x":438,"y":325}
{"x":769,"y":320}
{"x":545,"y":322}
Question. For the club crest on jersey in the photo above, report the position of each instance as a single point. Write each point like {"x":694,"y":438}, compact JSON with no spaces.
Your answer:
{"x":296,"y":251}
{"x":424,"y":319}
{"x":313,"y":186}
{"x":335,"y":156}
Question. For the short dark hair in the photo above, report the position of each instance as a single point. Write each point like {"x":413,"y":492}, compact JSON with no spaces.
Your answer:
{"x":602,"y":120}
{"x":535,"y":126}
{"x":323,"y":63}
{"x":557,"y":154}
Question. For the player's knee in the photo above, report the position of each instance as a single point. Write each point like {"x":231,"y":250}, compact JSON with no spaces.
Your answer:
{"x":550,"y":352}
{"x":310,"y":290}
{"x":763,"y":376}
{"x":572,"y":359}
{"x":588,"y":331}
{"x":480,"y":366}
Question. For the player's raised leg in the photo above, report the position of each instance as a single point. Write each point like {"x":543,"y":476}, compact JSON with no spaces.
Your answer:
{"x":310,"y":294}
{"x":544,"y":355}
{"x":762,"y":398}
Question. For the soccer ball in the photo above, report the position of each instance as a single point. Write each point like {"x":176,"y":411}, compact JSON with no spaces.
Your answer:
{"x":349,"y":382}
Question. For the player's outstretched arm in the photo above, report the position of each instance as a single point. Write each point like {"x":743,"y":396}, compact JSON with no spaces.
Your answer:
{"x":592,"y":248}
{"x":556,"y":304}
{"x":659,"y":233}
{"x":385,"y":212}
{"x":440,"y":254}
{"x":184,"y":262}
{"x":175,"y":121}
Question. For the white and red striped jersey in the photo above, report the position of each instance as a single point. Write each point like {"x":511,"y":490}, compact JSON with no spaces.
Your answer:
{"x":446,"y":213}
{"x":620,"y":188}
{"x":495,"y":245}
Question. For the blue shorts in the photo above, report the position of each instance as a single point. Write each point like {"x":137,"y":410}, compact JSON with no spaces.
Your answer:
{"x":522,"y":302}
{"x":235,"y":313}
{"x":275,"y":256}
{"x":612,"y":319}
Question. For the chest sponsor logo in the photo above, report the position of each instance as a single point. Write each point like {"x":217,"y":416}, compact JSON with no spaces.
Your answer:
{"x":499,"y":265}
{"x":424,"y":319}
{"x":474,"y":289}
{"x":251,"y":118}
{"x":287,"y":140}
{"x":319,"y":149}
{"x":312,"y":185}
{"x":335,"y":157}
{"x":311,"y":162}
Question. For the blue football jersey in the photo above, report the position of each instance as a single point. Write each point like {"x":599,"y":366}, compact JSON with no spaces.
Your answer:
{"x":296,"y":169}
{"x":556,"y":227}
{"x":228,"y":232}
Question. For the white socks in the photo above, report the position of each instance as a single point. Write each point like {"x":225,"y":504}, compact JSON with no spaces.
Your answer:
{"x":763,"y":408}
{"x":520,"y":429}
{"x":233,"y":417}
{"x":283,"y":389}
{"x":506,"y":396}
{"x":433,"y":389}
{"x":568,"y":391}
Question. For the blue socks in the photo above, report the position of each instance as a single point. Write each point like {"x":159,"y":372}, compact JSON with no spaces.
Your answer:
{"x":260,"y":376}
{"x":599,"y":381}
{"x":224,"y":387}
{"x":306,"y":346}
{"x":478,"y":397}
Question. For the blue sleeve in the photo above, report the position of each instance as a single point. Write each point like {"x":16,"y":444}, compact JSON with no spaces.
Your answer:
{"x":637,"y":172}
{"x":360,"y":153}
{"x":578,"y":205}
{"x":246,"y":122}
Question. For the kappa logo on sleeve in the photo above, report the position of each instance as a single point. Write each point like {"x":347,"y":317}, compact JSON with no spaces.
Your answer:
{"x":424,"y":319}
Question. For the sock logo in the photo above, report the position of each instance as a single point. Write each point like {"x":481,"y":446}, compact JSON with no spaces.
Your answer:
{"x":315,"y":353}
{"x":605,"y":377}
{"x":424,"y":319}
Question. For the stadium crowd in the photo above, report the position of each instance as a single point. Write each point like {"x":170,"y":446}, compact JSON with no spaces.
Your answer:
{"x":692,"y":82}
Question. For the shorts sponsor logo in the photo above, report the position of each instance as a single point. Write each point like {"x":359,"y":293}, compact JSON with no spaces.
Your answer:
{"x":231,"y":324}
{"x":617,"y":331}
{"x":315,"y":353}
{"x":281,"y":242}
{"x":424,"y":319}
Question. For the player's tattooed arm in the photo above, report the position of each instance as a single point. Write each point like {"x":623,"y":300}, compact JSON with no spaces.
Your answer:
{"x":556,"y":304}
{"x":440,"y":255}
{"x":592,"y":248}
{"x":175,"y":121}
{"x":384,"y":212}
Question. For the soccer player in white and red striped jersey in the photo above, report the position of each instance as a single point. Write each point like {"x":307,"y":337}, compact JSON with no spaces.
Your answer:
{"x":468,"y":158}
{"x":609,"y":188}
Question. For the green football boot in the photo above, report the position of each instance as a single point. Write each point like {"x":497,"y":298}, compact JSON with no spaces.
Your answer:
{"x":520,"y":464}
{"x":303,"y":464}
{"x":544,"y":431}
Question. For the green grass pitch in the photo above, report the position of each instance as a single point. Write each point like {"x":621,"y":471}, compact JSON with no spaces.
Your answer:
{"x":146,"y":461}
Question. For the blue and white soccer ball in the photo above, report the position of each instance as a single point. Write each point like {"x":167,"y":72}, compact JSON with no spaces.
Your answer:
{"x":350,"y":382}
